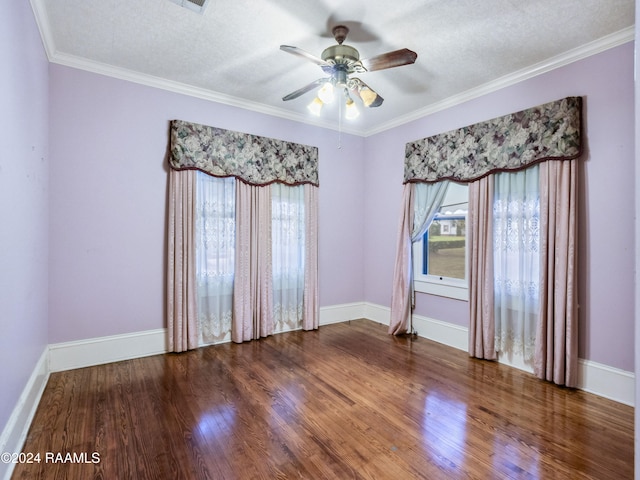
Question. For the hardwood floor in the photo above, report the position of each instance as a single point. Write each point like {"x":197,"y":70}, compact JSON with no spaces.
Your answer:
{"x":347,"y":401}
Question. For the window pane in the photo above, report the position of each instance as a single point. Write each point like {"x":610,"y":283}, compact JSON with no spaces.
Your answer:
{"x":445,"y":240}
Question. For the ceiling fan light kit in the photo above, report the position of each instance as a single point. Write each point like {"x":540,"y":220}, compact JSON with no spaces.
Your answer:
{"x":326,"y":93}
{"x":351,"y":110}
{"x":369,"y":97}
{"x":315,"y":107}
{"x":339,"y":62}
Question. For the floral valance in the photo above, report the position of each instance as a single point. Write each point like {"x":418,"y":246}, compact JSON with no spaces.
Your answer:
{"x":253,"y":159}
{"x":547,"y":132}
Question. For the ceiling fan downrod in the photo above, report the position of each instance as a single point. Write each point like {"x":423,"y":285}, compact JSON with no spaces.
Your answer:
{"x":340,"y":33}
{"x":341,"y":54}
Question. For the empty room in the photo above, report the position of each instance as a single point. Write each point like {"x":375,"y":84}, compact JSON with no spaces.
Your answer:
{"x":318,"y":239}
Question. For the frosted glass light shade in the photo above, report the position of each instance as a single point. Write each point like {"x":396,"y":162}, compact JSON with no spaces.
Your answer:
{"x":315,"y":106}
{"x":326,"y":93}
{"x":351,"y":111}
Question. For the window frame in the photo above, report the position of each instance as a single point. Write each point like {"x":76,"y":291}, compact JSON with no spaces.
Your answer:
{"x":435,"y":284}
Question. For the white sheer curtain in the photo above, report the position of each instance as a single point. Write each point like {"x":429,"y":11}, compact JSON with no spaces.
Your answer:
{"x":288,"y":255}
{"x":516,"y":260}
{"x":428,"y":200}
{"x":215,"y":254}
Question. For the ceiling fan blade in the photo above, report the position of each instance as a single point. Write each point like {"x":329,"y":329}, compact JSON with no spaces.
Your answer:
{"x":306,"y":55}
{"x":305,"y":89}
{"x":397,"y":58}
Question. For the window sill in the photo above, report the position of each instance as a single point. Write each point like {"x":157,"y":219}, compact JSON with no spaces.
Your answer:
{"x":442,"y":289}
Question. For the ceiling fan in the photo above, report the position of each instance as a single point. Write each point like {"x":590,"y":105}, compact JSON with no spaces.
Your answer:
{"x":339,"y":62}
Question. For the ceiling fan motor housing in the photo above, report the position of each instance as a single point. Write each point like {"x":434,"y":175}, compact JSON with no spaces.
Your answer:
{"x":344,"y":59}
{"x":340,"y":54}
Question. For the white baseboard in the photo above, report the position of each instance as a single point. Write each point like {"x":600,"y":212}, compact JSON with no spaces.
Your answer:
{"x":15,"y":431}
{"x":436,"y":330}
{"x":115,"y":348}
{"x":605,"y":381}
{"x":601,"y":380}
{"x":96,"y":351}
{"x":341,"y":313}
{"x":377,"y":313}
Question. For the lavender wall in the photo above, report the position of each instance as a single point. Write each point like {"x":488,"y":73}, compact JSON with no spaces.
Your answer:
{"x":108,"y":197}
{"x":108,"y":201}
{"x":608,"y":190}
{"x":24,"y":165}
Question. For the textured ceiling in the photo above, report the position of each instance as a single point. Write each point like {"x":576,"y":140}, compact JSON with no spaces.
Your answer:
{"x":231,"y":54}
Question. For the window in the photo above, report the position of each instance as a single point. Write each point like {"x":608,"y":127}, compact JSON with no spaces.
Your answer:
{"x":215,"y":255}
{"x":440,"y":257}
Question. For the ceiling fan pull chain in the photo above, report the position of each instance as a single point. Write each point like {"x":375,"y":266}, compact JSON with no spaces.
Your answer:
{"x":340,"y":125}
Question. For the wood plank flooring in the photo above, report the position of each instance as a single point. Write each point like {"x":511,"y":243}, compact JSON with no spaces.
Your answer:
{"x":345,"y":402}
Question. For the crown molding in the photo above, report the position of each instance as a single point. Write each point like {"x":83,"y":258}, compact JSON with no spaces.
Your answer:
{"x":40,"y":14}
{"x":189,"y":90}
{"x":610,"y":41}
{"x":597,"y":46}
